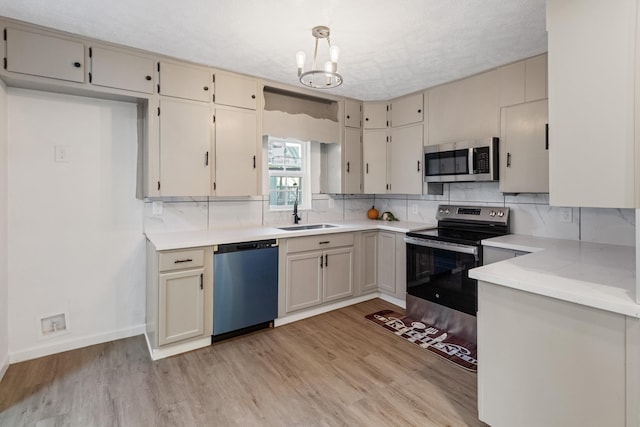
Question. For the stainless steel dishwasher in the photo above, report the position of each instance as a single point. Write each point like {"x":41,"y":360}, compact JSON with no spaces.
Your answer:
{"x":245,"y":287}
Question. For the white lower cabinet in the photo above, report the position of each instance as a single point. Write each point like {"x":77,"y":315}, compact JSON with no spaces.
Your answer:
{"x":181,"y":305}
{"x":318,"y":269}
{"x":387,"y":262}
{"x":368,"y":262}
{"x":179,"y":296}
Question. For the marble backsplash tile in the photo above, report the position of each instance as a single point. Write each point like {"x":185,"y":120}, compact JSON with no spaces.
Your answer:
{"x":614,"y":226}
{"x":530,"y":213}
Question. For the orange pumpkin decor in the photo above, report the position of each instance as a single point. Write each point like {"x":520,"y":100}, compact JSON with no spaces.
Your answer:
{"x":372,"y":213}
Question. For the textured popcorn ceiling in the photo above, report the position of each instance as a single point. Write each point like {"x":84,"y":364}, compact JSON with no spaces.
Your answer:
{"x":388,"y":48}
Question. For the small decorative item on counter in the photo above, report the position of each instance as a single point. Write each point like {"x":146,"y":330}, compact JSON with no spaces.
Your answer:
{"x":372,"y":213}
{"x":388,"y":216}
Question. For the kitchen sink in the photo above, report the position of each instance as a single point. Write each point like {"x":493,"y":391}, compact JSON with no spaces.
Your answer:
{"x":307,"y":227}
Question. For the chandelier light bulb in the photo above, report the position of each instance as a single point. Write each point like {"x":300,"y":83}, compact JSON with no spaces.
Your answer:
{"x":334,"y":53}
{"x":300,"y":58}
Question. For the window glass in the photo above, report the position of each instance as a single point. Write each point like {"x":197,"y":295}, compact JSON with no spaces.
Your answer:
{"x":288,"y":173}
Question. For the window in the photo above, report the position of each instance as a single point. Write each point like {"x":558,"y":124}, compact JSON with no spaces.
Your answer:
{"x":288,"y":173}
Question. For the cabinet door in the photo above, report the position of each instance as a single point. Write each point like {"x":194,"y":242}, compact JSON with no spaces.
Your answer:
{"x":185,"y":143}
{"x":304,"y":280}
{"x":369,"y":258}
{"x":407,"y":110}
{"x":387,"y":262}
{"x":375,"y":115}
{"x":592,"y":77}
{"x":181,"y":306}
{"x":236,"y":91}
{"x":374,"y":156}
{"x":111,"y":68}
{"x":185,"y":81}
{"x":236,"y":153}
{"x":352,"y":161}
{"x":352,"y":114}
{"x":524,"y":161}
{"x":44,"y":55}
{"x":405,"y":160}
{"x":338,"y":274}
{"x":466,"y":109}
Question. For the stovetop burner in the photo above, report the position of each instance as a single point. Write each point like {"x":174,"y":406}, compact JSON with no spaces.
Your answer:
{"x":467,"y":224}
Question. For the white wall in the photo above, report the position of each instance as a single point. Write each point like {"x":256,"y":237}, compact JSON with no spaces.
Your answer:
{"x":4,"y":287}
{"x":75,"y":242}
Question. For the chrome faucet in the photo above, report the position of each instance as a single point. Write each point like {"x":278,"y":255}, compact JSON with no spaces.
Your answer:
{"x":296,"y":218}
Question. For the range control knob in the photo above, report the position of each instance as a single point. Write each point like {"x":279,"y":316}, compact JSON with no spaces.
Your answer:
{"x":441,"y":211}
{"x":501,"y":214}
{"x":446,"y":211}
{"x":492,"y":213}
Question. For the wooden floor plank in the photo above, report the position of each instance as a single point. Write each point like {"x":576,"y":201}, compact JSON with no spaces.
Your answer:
{"x":333,"y":369}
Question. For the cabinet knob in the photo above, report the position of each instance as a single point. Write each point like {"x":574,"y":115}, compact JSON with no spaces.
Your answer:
{"x":206,"y":88}
{"x":77,"y":64}
{"x":253,"y":97}
{"x":148,"y":78}
{"x":348,"y":117}
{"x":419,"y":111}
{"x":366,"y":119}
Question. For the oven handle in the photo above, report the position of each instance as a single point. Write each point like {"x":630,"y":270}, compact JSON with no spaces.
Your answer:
{"x":436,"y":244}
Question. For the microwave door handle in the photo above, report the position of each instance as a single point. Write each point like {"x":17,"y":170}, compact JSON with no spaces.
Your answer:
{"x":471,"y":159}
{"x":435,"y":244}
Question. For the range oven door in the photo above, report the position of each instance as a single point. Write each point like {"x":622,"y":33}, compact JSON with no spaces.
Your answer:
{"x":439,"y":272}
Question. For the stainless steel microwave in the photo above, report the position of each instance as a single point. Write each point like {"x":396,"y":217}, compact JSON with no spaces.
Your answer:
{"x":462,"y":161}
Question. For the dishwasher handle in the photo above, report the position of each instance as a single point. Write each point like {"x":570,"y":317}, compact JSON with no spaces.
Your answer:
{"x":246,"y":246}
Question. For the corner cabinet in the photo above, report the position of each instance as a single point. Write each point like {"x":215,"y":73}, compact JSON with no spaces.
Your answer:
{"x":318,"y":269}
{"x":179,"y":296}
{"x":594,"y":95}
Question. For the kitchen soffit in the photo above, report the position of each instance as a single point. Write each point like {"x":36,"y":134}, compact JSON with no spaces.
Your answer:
{"x":388,"y":48}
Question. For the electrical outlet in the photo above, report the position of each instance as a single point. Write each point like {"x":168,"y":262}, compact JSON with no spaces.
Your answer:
{"x":414,"y":209}
{"x":62,"y":154}
{"x":53,"y":325}
{"x":565,"y":214}
{"x":331,"y":203}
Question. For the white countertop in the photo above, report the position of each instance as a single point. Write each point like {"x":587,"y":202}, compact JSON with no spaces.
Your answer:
{"x":591,"y":274}
{"x":191,"y":239}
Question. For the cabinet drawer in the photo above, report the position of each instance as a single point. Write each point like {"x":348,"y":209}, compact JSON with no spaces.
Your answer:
{"x":179,"y":260}
{"x":324,"y":241}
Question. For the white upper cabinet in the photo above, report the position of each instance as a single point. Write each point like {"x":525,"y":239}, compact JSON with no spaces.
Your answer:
{"x":594,"y":85}
{"x":352,"y":114}
{"x":375,"y":115}
{"x":523,"y":81}
{"x":185,"y":148}
{"x":406,"y":110}
{"x":236,"y":152}
{"x":405,"y":160}
{"x":185,"y":81}
{"x":236,"y":91}
{"x":44,"y":55}
{"x":464,"y":110}
{"x":374,"y":156}
{"x":352,"y":170}
{"x":524,"y":154}
{"x":121,"y":70}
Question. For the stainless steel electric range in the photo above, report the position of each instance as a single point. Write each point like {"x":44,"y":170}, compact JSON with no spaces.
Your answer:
{"x":439,"y":290}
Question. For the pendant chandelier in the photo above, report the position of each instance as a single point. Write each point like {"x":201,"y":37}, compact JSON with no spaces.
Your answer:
{"x":327,"y":77}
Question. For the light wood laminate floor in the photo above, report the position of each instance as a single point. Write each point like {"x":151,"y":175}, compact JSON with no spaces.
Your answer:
{"x":330,"y":370}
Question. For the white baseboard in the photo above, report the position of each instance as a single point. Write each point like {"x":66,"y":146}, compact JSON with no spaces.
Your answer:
{"x":4,"y":365}
{"x":323,"y":309}
{"x":393,"y":300}
{"x":172,"y":350}
{"x":72,"y":344}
